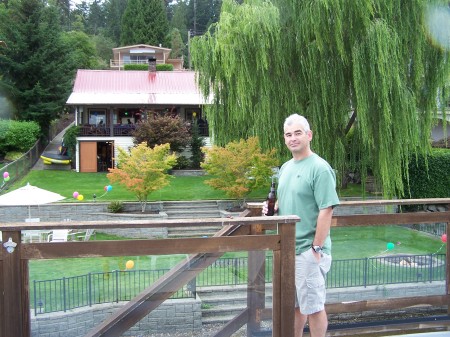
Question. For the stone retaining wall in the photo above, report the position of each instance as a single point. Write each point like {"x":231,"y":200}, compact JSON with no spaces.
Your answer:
{"x":177,"y":315}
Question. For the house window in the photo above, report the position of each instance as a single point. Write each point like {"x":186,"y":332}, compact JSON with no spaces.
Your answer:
{"x":139,"y":59}
{"x":97,"y":117}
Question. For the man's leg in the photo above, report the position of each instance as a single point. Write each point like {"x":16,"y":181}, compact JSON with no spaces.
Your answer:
{"x":299,"y":323}
{"x":318,"y":324}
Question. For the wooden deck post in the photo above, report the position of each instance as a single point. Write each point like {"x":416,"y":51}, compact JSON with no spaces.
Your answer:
{"x":447,"y":278}
{"x":256,"y":286}
{"x":14,"y":304}
{"x":284,"y":283}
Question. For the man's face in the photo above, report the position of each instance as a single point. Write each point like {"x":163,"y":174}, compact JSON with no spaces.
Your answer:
{"x":297,"y":139}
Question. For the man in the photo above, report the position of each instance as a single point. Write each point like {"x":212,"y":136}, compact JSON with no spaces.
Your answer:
{"x":307,"y":188}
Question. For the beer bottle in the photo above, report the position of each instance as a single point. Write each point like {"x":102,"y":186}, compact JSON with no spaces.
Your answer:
{"x":271,"y":199}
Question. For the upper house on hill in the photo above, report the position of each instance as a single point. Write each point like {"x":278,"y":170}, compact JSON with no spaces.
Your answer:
{"x":140,"y":54}
{"x":108,"y":104}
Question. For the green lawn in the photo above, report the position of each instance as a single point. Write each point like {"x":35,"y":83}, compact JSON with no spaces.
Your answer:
{"x":180,"y":188}
{"x":88,"y":184}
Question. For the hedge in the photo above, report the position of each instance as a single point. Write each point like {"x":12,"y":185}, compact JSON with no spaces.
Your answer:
{"x":431,"y":182}
{"x":159,"y":67}
{"x":18,"y":136}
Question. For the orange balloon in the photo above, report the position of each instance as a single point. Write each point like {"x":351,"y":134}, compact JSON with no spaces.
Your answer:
{"x":129,"y":264}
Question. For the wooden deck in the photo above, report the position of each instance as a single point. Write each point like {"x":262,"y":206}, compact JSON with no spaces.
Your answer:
{"x":248,"y":232}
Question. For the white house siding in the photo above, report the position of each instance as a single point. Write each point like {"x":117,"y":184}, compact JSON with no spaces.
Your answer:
{"x":124,"y":142}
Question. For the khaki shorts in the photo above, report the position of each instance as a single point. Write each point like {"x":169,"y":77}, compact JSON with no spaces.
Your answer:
{"x":310,"y":277}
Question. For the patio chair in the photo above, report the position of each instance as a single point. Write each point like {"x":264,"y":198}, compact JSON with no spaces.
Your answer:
{"x":85,"y":236}
{"x":59,"y":235}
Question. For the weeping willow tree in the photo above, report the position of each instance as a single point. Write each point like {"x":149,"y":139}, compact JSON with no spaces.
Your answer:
{"x":365,"y":74}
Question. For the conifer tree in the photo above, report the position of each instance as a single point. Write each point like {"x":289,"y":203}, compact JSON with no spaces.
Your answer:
{"x":145,"y":21}
{"x":36,"y":73}
{"x":365,"y":68}
{"x":114,"y":12}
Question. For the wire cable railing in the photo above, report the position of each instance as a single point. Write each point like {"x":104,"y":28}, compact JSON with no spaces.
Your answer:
{"x":107,"y":287}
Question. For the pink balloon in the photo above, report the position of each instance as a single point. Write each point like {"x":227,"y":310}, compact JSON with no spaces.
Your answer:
{"x":75,"y":194}
{"x":5,"y":174}
{"x":444,"y":238}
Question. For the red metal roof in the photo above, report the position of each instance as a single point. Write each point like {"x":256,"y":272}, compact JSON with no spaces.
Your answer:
{"x":135,"y":87}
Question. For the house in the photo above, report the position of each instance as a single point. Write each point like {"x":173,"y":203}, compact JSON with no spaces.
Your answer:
{"x":438,"y":133}
{"x":140,"y":54}
{"x":109,"y":103}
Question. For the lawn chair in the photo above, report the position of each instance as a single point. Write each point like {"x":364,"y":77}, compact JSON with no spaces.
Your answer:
{"x":59,"y":235}
{"x":86,"y":236}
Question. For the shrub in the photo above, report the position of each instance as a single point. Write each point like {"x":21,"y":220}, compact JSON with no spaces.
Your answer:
{"x":239,"y":167}
{"x":135,"y":67}
{"x":115,"y":207}
{"x":13,"y":155}
{"x":143,"y":170}
{"x":18,"y":135}
{"x":164,"y":67}
{"x":163,"y":129}
{"x":182,"y":163}
{"x":197,"y":142}
{"x":432,"y":181}
{"x":159,"y":67}
{"x":428,"y":178}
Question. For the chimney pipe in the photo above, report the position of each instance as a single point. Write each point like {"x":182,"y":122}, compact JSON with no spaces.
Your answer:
{"x":152,"y":64}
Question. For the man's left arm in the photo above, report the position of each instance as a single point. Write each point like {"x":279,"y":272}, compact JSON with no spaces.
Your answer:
{"x":323,"y":226}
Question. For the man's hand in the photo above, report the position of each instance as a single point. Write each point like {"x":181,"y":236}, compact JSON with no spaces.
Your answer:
{"x":264,"y":208}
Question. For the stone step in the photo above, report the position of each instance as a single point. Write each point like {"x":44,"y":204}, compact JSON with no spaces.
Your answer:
{"x":188,"y":214}
{"x":221,"y":315}
{"x":192,"y":210}
{"x":221,"y":304}
{"x":190,"y":204}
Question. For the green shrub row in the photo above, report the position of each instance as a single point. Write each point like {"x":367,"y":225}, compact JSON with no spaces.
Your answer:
{"x":431,"y":182}
{"x":18,"y":136}
{"x":159,"y":67}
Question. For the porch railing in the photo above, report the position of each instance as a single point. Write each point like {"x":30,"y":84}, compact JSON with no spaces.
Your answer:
{"x":121,"y":130}
{"x":122,"y":63}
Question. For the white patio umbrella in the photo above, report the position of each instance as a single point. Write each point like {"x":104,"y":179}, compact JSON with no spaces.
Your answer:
{"x":29,"y":196}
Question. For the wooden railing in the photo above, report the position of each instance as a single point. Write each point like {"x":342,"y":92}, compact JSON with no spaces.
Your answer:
{"x":248,"y":232}
{"x":238,"y":234}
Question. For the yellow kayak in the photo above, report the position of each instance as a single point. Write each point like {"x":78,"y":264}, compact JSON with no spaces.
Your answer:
{"x":50,"y":158}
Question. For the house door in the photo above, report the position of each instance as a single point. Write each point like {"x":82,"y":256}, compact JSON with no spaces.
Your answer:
{"x":96,"y":156}
{"x":88,"y":156}
{"x":104,"y":156}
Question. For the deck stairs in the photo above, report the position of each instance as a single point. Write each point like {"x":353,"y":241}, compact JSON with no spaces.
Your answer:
{"x":220,"y":304}
{"x":192,"y":210}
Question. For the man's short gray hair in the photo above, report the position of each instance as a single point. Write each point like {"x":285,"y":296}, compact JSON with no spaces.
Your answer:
{"x":297,"y":119}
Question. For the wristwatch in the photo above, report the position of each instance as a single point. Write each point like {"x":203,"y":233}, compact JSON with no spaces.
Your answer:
{"x":317,"y":249}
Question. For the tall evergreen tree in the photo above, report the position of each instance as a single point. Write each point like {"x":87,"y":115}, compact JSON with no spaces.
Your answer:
{"x":36,"y":74}
{"x":179,"y":19}
{"x":96,"y":19}
{"x":362,"y":68}
{"x":203,"y":13}
{"x":145,"y":21}
{"x":114,"y":12}
{"x":64,"y":12}
{"x":176,"y":44}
